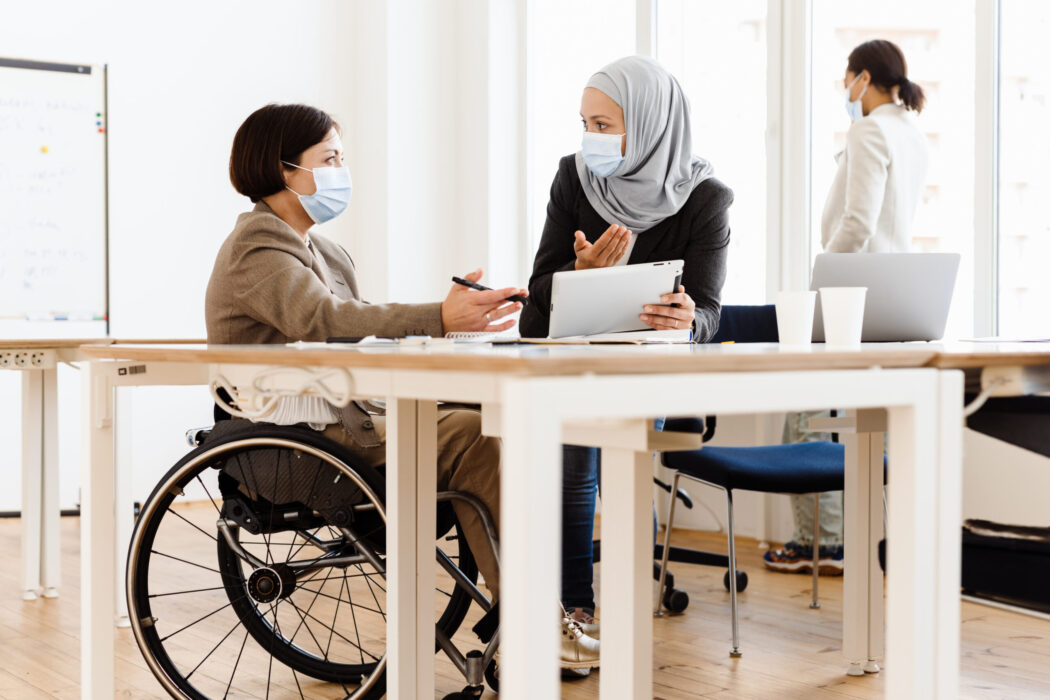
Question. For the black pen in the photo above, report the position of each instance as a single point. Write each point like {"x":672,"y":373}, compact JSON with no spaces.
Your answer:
{"x":482,"y":288}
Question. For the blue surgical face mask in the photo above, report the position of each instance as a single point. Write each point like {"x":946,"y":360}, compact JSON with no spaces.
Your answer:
{"x":853,"y":107}
{"x":332,"y":196}
{"x":601,"y":152}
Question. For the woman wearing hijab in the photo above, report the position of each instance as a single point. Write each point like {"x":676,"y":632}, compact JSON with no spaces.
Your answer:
{"x":870,"y":209}
{"x":634,"y":193}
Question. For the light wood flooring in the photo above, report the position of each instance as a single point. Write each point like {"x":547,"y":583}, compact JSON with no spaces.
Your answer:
{"x":790,"y":651}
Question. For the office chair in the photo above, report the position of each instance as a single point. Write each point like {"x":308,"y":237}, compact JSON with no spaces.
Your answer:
{"x":808,"y":467}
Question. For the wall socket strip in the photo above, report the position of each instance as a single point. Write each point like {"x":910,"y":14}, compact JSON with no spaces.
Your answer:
{"x":27,"y":359}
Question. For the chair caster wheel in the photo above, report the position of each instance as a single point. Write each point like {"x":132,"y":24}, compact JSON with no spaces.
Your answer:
{"x":676,"y":600}
{"x":741,"y":581}
{"x":492,"y":676}
{"x":469,"y":693}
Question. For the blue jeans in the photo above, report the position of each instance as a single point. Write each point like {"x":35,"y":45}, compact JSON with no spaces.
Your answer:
{"x":581,"y":476}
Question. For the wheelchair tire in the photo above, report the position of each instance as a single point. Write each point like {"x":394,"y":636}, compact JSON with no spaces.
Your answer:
{"x":181,"y":632}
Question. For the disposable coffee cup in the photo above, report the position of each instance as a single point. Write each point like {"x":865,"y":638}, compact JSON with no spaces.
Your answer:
{"x":843,"y":312}
{"x":795,"y":317}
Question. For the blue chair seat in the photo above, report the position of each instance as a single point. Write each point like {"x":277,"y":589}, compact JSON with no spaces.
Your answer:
{"x":804,"y":467}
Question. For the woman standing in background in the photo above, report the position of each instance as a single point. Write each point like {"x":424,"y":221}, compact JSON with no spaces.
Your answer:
{"x":870,"y":209}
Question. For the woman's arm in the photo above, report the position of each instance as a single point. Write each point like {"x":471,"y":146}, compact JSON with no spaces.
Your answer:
{"x":556,"y":251}
{"x":868,"y":160}
{"x":274,"y":285}
{"x":705,"y":259}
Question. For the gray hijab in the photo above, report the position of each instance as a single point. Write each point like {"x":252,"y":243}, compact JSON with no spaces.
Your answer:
{"x":659,"y":170}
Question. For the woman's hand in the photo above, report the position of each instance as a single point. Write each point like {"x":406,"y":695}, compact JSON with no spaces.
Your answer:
{"x":604,"y":252}
{"x":468,"y":310}
{"x":666,"y":317}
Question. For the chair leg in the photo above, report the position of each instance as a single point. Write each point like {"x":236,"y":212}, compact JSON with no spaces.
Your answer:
{"x":658,"y":606}
{"x":735,"y":651}
{"x":815,"y":603}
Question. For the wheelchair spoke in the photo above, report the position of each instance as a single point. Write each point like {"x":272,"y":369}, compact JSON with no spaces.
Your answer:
{"x":269,"y":668}
{"x":213,"y":503}
{"x":444,"y":592}
{"x":353,"y":616}
{"x":304,"y":623}
{"x":194,"y":590}
{"x":369,"y":577}
{"x":235,"y":665}
{"x":191,"y":524}
{"x":340,"y":599}
{"x":332,"y":630}
{"x":202,"y":618}
{"x":368,"y":580}
{"x":213,"y":649}
{"x":277,"y":632}
{"x":190,"y":563}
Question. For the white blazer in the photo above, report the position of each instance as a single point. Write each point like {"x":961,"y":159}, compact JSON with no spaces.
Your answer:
{"x":880,"y":180}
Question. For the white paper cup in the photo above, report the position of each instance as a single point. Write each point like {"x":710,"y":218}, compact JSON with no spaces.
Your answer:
{"x":843,"y":312}
{"x":795,"y":317}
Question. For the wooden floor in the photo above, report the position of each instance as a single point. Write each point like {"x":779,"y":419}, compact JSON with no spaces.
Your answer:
{"x":790,"y":651}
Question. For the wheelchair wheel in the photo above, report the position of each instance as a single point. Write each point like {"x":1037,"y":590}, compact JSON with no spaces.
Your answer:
{"x":257,"y":569}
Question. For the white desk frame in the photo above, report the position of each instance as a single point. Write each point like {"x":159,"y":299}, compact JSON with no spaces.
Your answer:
{"x":532,"y":414}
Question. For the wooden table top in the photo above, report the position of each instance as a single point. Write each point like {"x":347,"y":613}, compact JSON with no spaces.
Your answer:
{"x":44,"y":343}
{"x":64,"y":343}
{"x":536,"y":359}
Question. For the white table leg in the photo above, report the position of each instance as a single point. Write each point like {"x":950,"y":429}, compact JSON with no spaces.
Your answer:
{"x":530,"y":542}
{"x":876,"y":602}
{"x":32,"y":466}
{"x":923,"y":549}
{"x":123,"y":410}
{"x":862,"y":606}
{"x":627,"y":560}
{"x":96,"y":535}
{"x":411,"y":487}
{"x":50,"y":554}
{"x":949,"y":535}
{"x":855,"y":593}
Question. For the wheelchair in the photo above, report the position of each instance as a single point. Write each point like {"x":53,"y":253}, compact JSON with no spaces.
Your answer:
{"x":257,"y":570}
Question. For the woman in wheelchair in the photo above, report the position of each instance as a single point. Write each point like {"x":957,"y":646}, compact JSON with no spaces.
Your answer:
{"x":293,"y":505}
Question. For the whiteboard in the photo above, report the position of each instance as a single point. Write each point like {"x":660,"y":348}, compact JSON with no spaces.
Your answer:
{"x":53,"y":255}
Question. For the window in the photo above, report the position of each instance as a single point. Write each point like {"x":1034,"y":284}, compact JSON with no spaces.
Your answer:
{"x":566,"y":43}
{"x":1024,"y":179}
{"x":938,"y":41}
{"x":717,"y":50}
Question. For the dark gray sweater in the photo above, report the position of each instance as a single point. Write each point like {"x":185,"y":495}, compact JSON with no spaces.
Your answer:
{"x":697,"y":234}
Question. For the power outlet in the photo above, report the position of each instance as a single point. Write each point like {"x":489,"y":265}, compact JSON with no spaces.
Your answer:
{"x":28,"y":359}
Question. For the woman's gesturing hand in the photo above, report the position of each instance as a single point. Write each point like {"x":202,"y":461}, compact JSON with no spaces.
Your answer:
{"x":467,"y":310}
{"x":666,"y":317}
{"x":604,"y":252}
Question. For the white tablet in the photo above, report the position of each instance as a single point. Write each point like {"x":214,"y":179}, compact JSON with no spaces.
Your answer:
{"x":609,"y":299}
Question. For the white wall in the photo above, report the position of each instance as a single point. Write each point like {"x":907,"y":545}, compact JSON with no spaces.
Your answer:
{"x":434,"y":138}
{"x":182,"y":77}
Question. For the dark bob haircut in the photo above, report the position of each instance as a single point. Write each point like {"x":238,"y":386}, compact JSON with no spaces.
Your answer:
{"x":885,"y":62}
{"x":272,"y":134}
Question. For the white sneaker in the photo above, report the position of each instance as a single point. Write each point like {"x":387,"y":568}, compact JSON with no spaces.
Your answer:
{"x":578,"y":650}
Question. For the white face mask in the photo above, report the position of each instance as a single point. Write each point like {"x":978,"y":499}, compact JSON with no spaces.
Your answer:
{"x":332,"y":196}
{"x":853,"y":107}
{"x":601,"y":152}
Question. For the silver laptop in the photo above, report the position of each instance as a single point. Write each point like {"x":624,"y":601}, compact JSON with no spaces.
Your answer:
{"x":908,"y":297}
